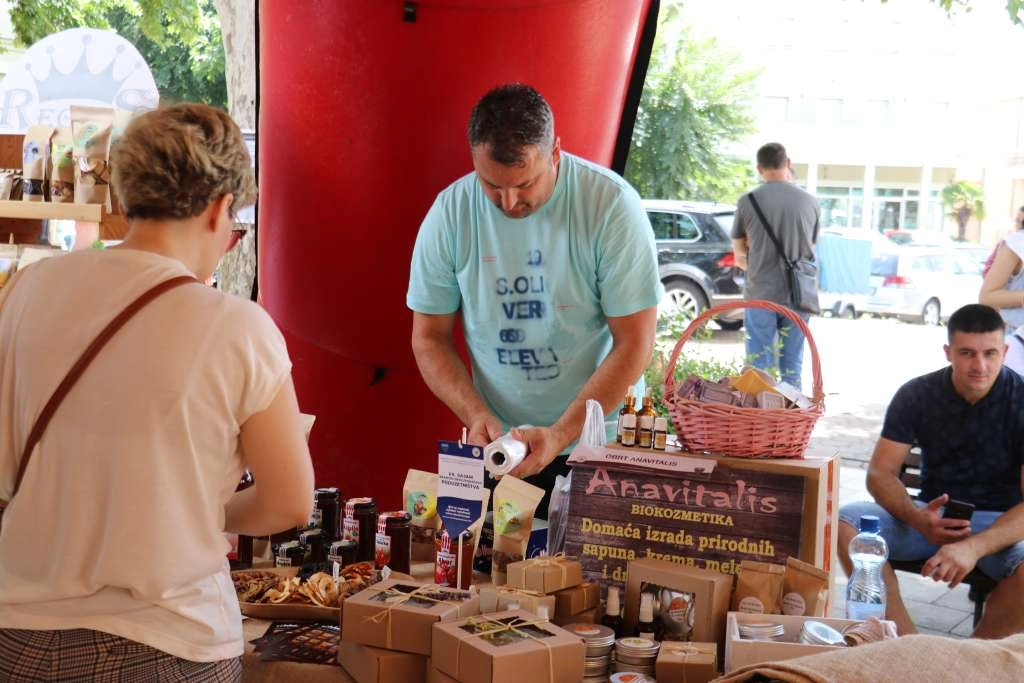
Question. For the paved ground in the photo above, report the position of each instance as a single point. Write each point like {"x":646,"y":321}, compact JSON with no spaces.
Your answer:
{"x":863,"y":363}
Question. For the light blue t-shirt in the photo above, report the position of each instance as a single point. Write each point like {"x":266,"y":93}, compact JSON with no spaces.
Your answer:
{"x":535,"y":291}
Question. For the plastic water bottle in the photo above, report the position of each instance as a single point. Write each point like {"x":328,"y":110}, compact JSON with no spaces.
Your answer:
{"x":865,"y":593}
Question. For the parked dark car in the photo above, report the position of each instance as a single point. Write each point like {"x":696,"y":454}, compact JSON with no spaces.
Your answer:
{"x":695,"y":257}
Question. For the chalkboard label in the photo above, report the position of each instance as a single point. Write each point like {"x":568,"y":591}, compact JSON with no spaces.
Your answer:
{"x":710,"y":520}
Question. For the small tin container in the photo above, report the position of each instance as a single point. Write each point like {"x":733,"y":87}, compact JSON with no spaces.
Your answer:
{"x":818,"y":633}
{"x":598,"y":639}
{"x":762,"y":630}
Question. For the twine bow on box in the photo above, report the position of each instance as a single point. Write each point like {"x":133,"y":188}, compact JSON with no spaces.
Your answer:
{"x":400,"y":598}
{"x":513,"y":626}
{"x":557,"y":560}
{"x":682,"y":650}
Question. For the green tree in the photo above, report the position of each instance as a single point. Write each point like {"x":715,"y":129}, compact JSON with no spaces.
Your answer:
{"x":963,"y":199}
{"x":180,"y":39}
{"x":1015,"y":8}
{"x":695,"y":103}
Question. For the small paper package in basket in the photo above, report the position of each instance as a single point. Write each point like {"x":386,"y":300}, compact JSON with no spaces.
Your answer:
{"x":376,"y":665}
{"x":545,"y":574}
{"x":687,"y":662}
{"x":398,"y":615}
{"x":507,"y":647}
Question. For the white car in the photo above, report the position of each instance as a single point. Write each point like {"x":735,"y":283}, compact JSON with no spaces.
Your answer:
{"x":923,"y":284}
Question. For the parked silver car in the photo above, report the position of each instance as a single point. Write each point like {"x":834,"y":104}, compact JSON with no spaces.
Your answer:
{"x":922,"y":284}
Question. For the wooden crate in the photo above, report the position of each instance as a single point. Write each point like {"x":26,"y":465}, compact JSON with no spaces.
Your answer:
{"x":23,"y":220}
{"x":706,"y":512}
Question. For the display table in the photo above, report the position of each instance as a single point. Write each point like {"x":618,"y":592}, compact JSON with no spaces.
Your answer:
{"x":256,"y":670}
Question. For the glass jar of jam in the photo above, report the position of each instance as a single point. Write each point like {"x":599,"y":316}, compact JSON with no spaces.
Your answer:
{"x":393,"y":541}
{"x":446,"y":555}
{"x":360,"y":525}
{"x":343,"y":552}
{"x":290,"y":554}
{"x":327,"y":513}
{"x":313,"y":539}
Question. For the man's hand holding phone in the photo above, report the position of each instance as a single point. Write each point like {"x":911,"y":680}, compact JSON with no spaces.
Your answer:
{"x":941,"y":530}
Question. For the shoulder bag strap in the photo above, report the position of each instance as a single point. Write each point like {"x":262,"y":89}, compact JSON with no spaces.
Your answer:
{"x":83,"y":362}
{"x":768,"y":229}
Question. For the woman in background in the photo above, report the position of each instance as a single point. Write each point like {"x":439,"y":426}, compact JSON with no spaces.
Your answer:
{"x":1003,"y":286}
{"x":112,"y":551}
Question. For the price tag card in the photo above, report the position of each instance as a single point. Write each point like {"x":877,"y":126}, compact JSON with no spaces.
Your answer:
{"x":460,"y":485}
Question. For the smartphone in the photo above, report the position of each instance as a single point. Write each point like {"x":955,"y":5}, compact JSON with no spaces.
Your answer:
{"x":957,"y":509}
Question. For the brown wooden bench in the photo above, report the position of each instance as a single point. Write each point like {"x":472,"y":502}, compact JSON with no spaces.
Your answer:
{"x":979,"y":582}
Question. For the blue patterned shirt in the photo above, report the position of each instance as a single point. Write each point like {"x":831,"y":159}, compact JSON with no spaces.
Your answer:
{"x":972,"y":452}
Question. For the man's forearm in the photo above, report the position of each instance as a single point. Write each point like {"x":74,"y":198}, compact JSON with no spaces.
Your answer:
{"x":607,"y":386}
{"x":447,"y":377}
{"x":1007,"y":530}
{"x":889,"y":492}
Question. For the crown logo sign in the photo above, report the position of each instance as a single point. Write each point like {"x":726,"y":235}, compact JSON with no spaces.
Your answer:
{"x":80,"y":83}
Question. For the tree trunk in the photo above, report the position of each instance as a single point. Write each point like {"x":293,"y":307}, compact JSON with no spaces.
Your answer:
{"x":237,"y":270}
{"x":963,"y":215}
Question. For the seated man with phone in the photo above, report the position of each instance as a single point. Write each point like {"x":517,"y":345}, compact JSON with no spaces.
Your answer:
{"x":968,"y":419}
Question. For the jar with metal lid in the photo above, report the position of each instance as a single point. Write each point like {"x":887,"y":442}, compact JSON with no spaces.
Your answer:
{"x":820,"y":633}
{"x":360,"y":525}
{"x":327,"y":513}
{"x":314,"y":540}
{"x":342,"y":552}
{"x":290,"y":554}
{"x":446,"y":556}
{"x":762,"y":630}
{"x":393,"y":541}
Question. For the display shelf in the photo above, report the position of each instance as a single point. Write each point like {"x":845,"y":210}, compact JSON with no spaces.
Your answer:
{"x":92,"y":213}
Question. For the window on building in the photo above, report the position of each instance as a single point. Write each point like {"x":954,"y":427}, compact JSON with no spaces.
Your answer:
{"x":830,"y":111}
{"x":776,"y":109}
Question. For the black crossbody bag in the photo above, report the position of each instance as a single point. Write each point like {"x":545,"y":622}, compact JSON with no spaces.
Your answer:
{"x":801,"y":275}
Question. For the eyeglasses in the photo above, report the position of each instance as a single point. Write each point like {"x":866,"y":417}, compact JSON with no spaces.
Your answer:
{"x":237,"y":233}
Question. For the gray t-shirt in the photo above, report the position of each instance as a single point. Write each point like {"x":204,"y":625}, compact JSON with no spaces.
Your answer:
{"x":793,"y":214}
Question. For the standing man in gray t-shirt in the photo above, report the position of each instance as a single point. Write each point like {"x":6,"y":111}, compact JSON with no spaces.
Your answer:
{"x":793,"y":214}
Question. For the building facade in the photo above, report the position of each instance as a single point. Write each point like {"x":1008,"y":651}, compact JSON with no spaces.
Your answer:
{"x":881,"y":105}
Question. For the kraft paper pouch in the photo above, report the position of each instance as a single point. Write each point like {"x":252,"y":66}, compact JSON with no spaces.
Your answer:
{"x":515,"y":503}
{"x":35,"y":156}
{"x":91,"y":128}
{"x":804,"y":589}
{"x":420,"y":496}
{"x":62,"y":165}
{"x":758,"y":588}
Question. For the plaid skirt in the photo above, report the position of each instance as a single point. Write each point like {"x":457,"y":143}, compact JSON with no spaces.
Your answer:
{"x":84,"y":655}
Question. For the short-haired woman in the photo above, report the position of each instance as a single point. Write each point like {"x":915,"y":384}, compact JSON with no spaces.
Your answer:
{"x":112,"y":551}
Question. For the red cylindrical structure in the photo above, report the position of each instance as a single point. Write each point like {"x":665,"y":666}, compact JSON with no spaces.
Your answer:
{"x":363,"y":113}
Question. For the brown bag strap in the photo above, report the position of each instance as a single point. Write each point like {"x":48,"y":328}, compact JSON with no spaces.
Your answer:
{"x":83,"y":362}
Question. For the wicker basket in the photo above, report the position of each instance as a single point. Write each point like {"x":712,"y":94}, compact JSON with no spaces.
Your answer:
{"x":743,"y":432}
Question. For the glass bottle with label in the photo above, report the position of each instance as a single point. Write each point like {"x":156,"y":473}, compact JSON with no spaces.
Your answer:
{"x":613,"y":612}
{"x":660,"y":433}
{"x":645,"y":431}
{"x":645,"y":627}
{"x":629,"y":429}
{"x":628,"y":407}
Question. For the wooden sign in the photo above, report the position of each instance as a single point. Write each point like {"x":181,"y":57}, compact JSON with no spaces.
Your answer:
{"x":707,"y":520}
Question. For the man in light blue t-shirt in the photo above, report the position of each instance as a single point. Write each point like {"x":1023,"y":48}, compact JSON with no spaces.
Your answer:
{"x":550,"y":261}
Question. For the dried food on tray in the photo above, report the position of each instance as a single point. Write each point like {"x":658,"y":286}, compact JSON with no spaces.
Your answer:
{"x":281,"y":593}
